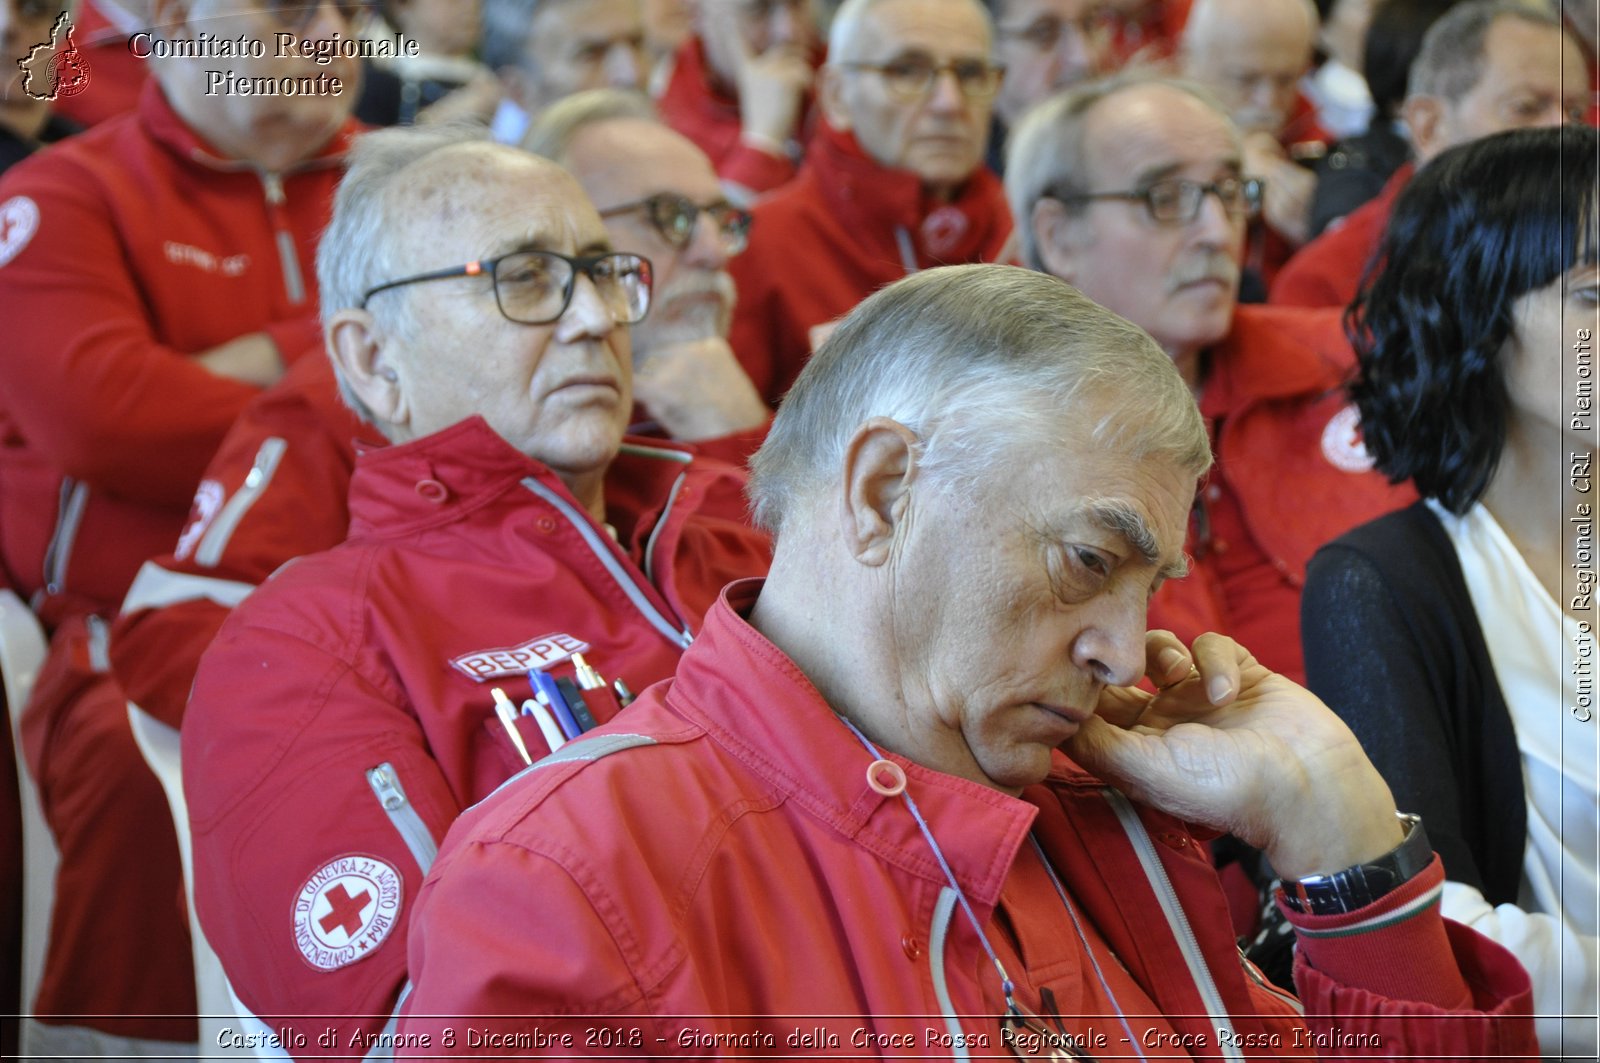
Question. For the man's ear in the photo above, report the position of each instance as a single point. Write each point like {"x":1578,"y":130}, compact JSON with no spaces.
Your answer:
{"x":1056,"y":238}
{"x":830,"y":95}
{"x":880,"y":464}
{"x":357,"y":346}
{"x":1426,"y":119}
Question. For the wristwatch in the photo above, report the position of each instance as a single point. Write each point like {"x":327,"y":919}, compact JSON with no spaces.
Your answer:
{"x":1361,"y":884}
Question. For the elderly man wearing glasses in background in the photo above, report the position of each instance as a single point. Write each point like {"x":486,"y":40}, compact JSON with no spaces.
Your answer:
{"x":893,"y":179}
{"x":1132,"y":190}
{"x":155,"y":272}
{"x":659,"y":196}
{"x":514,"y":568}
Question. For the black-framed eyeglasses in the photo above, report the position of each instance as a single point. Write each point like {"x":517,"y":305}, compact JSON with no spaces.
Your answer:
{"x":1046,"y":32}
{"x":674,"y":217}
{"x":911,"y":76}
{"x":298,"y":14}
{"x":535,"y":287}
{"x":1176,"y":201}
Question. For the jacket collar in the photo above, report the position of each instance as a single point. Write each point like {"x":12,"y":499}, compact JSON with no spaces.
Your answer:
{"x":775,"y":722}
{"x":877,"y":200}
{"x":167,"y":128}
{"x":1274,"y":352}
{"x":401,"y":488}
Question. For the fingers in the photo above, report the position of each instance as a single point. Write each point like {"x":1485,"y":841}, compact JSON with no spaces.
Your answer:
{"x":1167,"y":660}
{"x":1218,"y":659}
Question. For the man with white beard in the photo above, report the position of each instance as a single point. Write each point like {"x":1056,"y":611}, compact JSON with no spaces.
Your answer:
{"x":659,"y":197}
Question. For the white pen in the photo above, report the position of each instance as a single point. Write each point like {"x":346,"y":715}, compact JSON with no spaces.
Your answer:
{"x":508,"y":716}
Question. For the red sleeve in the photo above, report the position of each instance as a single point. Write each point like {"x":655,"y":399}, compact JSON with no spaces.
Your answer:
{"x":303,"y":876}
{"x":296,"y":441}
{"x":1395,"y":979}
{"x":87,"y":381}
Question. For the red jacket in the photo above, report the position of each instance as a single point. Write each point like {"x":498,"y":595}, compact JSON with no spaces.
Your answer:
{"x":343,"y":716}
{"x":1290,"y":475}
{"x":275,"y":490}
{"x":695,"y":107}
{"x":714,"y":864}
{"x":128,"y":249}
{"x":844,"y":228}
{"x":1327,"y":271}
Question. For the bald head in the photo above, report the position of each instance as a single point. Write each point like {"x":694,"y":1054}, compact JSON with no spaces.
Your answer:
{"x":1252,"y":54}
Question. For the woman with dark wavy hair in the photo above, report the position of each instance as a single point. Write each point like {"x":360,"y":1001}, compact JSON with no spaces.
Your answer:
{"x":1444,"y":633}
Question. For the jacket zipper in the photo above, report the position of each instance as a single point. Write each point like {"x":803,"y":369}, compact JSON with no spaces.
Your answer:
{"x":1177,"y":922}
{"x":679,"y":637}
{"x":293,"y":282}
{"x":255,"y":484}
{"x":385,"y":783}
{"x":74,"y":497}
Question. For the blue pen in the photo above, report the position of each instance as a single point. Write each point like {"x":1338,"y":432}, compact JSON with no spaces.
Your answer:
{"x":558,"y":704}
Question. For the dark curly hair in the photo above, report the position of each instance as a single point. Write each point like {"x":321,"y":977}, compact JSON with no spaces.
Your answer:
{"x":1475,"y":229}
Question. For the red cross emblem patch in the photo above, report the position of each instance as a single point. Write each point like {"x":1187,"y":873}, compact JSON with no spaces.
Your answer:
{"x":345,"y":910}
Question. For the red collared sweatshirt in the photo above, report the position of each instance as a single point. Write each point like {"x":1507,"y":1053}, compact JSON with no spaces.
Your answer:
{"x":343,"y":717}
{"x":716,"y":873}
{"x":124,"y":252}
{"x":845,"y":227}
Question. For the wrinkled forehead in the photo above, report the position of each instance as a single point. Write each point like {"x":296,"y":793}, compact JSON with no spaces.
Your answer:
{"x":481,"y":200}
{"x":1149,"y":130}
{"x":937,"y":27}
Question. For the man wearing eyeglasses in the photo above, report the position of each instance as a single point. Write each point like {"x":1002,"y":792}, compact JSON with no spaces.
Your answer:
{"x":476,"y":314}
{"x":1132,"y":190}
{"x":659,"y":195}
{"x":1045,"y":46}
{"x":155,"y":273}
{"x":893,"y":180}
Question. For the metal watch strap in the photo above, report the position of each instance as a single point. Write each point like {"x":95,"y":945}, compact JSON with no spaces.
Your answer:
{"x":1360,"y":885}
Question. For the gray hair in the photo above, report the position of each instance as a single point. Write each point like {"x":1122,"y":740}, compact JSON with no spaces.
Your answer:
{"x":552,"y":133}
{"x":357,"y":251}
{"x":1450,"y":61}
{"x":977,"y":361}
{"x":1045,"y":155}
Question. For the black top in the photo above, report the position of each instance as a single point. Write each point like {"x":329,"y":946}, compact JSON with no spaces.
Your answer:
{"x":15,"y":147}
{"x":1355,"y":171}
{"x":1393,"y":645}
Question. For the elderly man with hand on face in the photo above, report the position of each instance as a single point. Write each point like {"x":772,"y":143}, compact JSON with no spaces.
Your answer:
{"x":741,"y":89}
{"x":514,"y":568}
{"x":848,"y":822}
{"x":1133,"y":190}
{"x":658,"y":195}
{"x":893,"y":179}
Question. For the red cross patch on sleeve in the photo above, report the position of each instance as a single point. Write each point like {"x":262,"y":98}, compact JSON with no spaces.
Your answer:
{"x":345,"y":910}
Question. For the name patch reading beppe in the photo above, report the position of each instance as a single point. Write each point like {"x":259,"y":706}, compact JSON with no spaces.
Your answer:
{"x":541,"y":652}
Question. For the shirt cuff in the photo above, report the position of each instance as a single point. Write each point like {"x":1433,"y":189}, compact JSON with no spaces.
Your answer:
{"x":1395,"y":947}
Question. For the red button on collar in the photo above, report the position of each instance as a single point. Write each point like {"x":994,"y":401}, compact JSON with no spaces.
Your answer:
{"x":433,"y":491}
